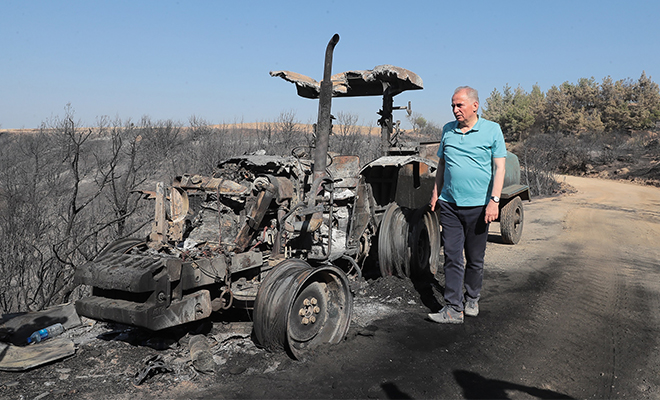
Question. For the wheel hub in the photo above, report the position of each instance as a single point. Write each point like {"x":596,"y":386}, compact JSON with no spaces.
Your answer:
{"x":309,"y":310}
{"x":307,"y":316}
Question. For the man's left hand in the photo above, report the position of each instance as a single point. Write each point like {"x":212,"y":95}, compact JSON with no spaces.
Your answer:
{"x":492,"y":211}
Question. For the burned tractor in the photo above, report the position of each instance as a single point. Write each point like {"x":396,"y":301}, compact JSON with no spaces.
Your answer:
{"x":283,"y":237}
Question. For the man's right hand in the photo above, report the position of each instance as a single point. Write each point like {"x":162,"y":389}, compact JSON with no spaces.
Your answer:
{"x":434,"y":199}
{"x":439,"y":181}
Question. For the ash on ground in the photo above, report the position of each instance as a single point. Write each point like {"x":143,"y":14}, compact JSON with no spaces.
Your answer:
{"x":124,"y":361}
{"x":383,"y":297}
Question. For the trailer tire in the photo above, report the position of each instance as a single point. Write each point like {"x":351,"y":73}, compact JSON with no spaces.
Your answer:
{"x":511,"y":221}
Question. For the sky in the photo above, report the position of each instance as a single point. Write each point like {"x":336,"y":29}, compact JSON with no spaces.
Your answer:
{"x":172,"y":60}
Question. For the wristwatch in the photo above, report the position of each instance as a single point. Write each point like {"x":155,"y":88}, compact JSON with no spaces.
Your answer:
{"x":495,"y":199}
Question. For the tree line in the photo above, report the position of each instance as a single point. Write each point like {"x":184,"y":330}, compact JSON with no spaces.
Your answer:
{"x":573,"y":108}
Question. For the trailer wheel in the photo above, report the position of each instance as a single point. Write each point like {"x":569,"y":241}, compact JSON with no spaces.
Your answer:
{"x":511,"y":221}
{"x":426,"y":241}
{"x":299,"y":307}
{"x":393,"y":248}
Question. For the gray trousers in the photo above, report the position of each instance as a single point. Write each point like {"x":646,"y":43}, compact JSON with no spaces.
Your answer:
{"x":463,"y":230}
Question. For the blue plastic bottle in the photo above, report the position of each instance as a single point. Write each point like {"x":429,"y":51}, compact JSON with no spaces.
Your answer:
{"x":46,"y":333}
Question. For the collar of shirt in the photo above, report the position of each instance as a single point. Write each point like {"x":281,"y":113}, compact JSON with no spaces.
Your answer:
{"x":475,"y":127}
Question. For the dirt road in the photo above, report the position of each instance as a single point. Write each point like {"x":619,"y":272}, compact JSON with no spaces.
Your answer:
{"x":582,"y":295}
{"x":573,"y":311}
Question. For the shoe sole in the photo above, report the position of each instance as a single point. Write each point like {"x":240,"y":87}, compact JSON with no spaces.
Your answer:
{"x":445,"y":321}
{"x":471,"y":312}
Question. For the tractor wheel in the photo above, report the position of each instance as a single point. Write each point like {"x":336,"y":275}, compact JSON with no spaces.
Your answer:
{"x":393,"y":248}
{"x":511,"y":221}
{"x":426,"y":241}
{"x":299,"y":307}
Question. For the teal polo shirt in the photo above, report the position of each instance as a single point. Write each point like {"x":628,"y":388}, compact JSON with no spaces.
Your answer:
{"x":469,"y":162}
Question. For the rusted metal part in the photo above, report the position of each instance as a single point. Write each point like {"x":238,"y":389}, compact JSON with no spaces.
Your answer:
{"x":320,"y":212}
{"x":121,"y":246}
{"x":126,"y":272}
{"x":305,"y":219}
{"x":143,"y":291}
{"x":429,"y":151}
{"x":285,"y":189}
{"x":178,"y":204}
{"x":179,"y":207}
{"x":222,"y":186}
{"x":256,"y":215}
{"x":397,"y":161}
{"x":414,"y":184}
{"x":362,"y":215}
{"x":357,"y":82}
{"x":324,"y":124}
{"x":202,"y":272}
{"x":384,"y":80}
{"x":223,"y":301}
{"x":408,"y":180}
{"x":247,"y":260}
{"x":344,"y":171}
{"x":385,"y":120}
{"x":146,"y":194}
{"x":159,"y":229}
{"x":191,"y":307}
{"x":273,"y":163}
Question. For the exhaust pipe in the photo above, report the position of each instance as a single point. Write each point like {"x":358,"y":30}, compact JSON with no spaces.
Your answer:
{"x":324,"y":123}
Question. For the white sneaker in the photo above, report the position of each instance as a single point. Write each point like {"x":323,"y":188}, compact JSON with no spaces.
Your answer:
{"x":472,"y":307}
{"x":447,"y":316}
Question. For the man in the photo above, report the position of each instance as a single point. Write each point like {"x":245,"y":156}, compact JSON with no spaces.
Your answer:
{"x":467,"y":189}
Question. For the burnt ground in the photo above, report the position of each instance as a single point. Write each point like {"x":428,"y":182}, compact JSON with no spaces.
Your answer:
{"x":113,"y":360}
{"x":572,"y":311}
